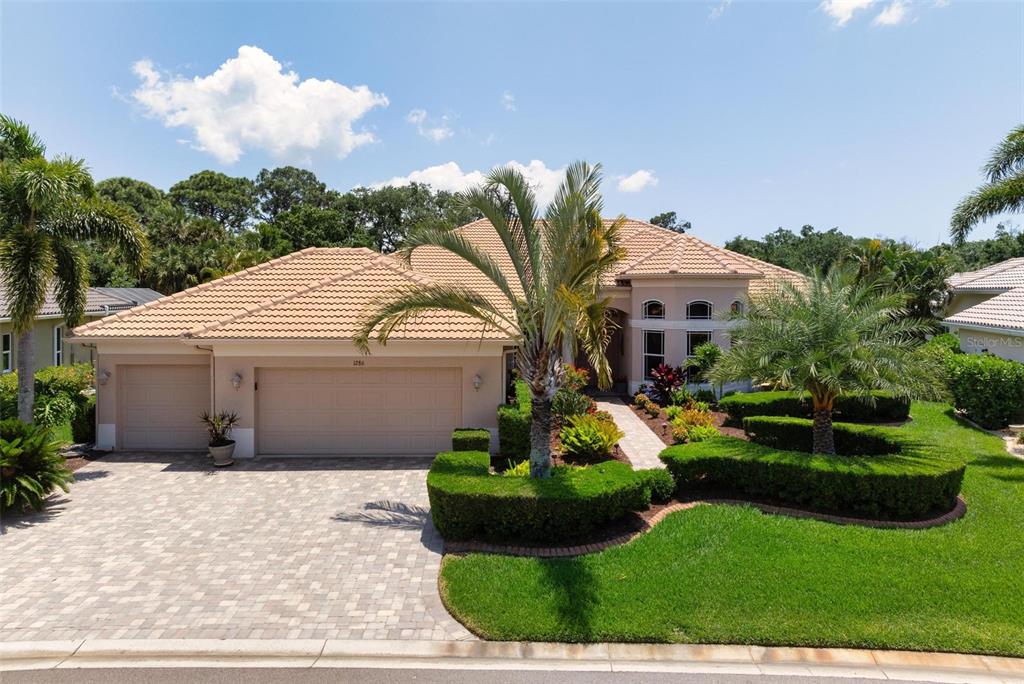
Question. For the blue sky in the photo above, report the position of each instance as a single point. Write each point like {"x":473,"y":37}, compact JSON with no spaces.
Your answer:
{"x":742,"y":116}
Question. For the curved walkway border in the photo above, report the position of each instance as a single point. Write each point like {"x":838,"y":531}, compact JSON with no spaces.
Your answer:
{"x":504,"y":655}
{"x":580,"y":549}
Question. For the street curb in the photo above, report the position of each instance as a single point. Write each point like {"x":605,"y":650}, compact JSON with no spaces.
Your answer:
{"x":509,"y":655}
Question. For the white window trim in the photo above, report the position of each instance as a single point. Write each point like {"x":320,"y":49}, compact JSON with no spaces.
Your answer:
{"x":644,"y":353}
{"x":58,"y":344}
{"x":643,"y":310}
{"x":709,"y":333}
{"x":711,"y":310}
{"x":739,"y":306}
{"x":7,"y":357}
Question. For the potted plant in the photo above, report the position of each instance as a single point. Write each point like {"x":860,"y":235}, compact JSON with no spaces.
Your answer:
{"x":219,"y":426}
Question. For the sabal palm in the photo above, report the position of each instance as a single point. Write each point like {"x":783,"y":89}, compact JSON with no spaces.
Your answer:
{"x":47,"y":209}
{"x":831,"y":337}
{"x":1003,"y":193}
{"x":551,"y":295}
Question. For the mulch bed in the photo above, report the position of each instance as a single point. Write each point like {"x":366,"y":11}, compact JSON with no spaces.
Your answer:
{"x":661,"y":426}
{"x":79,"y":455}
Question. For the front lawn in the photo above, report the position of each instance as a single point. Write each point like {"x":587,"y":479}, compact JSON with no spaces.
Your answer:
{"x":728,"y":574}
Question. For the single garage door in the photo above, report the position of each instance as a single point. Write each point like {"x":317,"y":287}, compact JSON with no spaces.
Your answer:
{"x":357,"y":411}
{"x":161,"y":405}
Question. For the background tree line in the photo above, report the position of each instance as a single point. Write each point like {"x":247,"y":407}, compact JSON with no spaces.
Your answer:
{"x":211,"y":224}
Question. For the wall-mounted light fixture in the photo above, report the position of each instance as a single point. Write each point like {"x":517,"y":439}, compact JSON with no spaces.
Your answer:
{"x":236,"y":380}
{"x":103,"y":377}
{"x":477,"y":381}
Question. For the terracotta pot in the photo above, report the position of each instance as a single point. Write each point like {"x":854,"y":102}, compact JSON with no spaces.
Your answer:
{"x":222,"y":454}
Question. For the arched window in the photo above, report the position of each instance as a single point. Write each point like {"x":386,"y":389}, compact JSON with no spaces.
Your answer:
{"x":736,"y":307}
{"x":654,"y":309}
{"x":698,"y":310}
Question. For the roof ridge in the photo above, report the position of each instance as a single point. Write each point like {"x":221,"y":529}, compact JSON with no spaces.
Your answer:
{"x":280,"y":299}
{"x":758,"y":262}
{"x":202,"y":286}
{"x":1008,"y":264}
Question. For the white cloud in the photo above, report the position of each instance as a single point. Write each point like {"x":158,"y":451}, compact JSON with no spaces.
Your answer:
{"x":452,"y":178}
{"x":718,"y":10}
{"x":843,"y":10}
{"x":892,"y":15}
{"x":250,"y":102}
{"x":432,"y":130}
{"x":508,"y":101}
{"x":637,"y":181}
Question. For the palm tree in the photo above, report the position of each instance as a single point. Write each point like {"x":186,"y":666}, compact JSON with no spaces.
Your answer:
{"x":550,"y":295}
{"x":1004,"y":191}
{"x":47,"y":208}
{"x":830,"y":337}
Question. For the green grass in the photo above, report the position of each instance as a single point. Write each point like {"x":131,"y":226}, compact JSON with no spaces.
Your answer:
{"x":62,"y":433}
{"x":729,"y":574}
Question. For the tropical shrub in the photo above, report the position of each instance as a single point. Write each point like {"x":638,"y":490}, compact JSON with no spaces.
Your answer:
{"x":514,"y":424}
{"x":706,"y":396}
{"x":568,"y":402}
{"x":665,"y":379}
{"x":31,"y":466}
{"x":660,"y":482}
{"x":989,"y":389}
{"x":588,"y":437}
{"x":219,"y":426}
{"x":672,"y":412}
{"x":912,"y":484}
{"x":947,"y":341}
{"x":603,"y":415}
{"x":699,"y":433}
{"x":471,"y":439}
{"x":644,"y":403}
{"x":69,"y":380}
{"x":696,"y":416}
{"x":468,"y":502}
{"x":681,"y":397}
{"x":83,"y":425}
{"x":53,"y":410}
{"x":574,"y":378}
{"x":705,"y":356}
{"x":850,"y":408}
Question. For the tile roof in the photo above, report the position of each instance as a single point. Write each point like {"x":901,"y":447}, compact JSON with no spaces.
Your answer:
{"x":98,"y":300}
{"x":1005,"y":275}
{"x":322,"y":293}
{"x":1005,"y":310}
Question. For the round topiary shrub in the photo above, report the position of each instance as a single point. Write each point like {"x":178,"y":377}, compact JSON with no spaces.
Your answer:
{"x":878,"y":407}
{"x":467,"y":501}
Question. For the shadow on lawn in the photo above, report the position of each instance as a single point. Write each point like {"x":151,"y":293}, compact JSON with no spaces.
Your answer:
{"x":574,"y":590}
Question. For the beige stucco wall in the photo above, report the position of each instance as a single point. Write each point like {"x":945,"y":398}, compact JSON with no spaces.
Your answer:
{"x":478,"y":405}
{"x":43,"y":344}
{"x":1004,"y":345}
{"x":965,"y":300}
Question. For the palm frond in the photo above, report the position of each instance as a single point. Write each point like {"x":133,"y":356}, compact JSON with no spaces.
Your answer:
{"x":95,"y":218}
{"x":1008,"y":157}
{"x":71,"y":279}
{"x":17,"y":141}
{"x":1002,"y":196}
{"x":26,"y":268}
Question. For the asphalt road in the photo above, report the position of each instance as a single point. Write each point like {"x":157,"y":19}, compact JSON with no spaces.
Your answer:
{"x":382,"y":676}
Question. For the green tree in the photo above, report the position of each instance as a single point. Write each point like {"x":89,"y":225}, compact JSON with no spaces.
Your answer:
{"x":668,"y":220}
{"x":47,"y":209}
{"x":285,"y":188}
{"x":809,"y":250}
{"x":832,"y":337}
{"x":387,"y":214}
{"x":558,"y":263}
{"x":139,"y":196}
{"x":307,"y":226}
{"x":1003,"y":193}
{"x":229,"y":201}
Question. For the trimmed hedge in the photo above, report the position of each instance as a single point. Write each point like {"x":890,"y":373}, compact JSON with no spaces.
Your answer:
{"x":887,"y":408}
{"x":514,"y":424}
{"x":468,"y":502}
{"x":783,"y":432}
{"x":83,"y":424}
{"x":471,"y":439}
{"x":912,"y":484}
{"x":989,"y":389}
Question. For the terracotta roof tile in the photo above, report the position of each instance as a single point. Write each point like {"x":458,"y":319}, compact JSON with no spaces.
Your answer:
{"x":1005,"y":310}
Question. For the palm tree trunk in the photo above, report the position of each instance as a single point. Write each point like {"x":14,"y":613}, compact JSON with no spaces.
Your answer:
{"x":26,"y":378}
{"x":540,"y":438}
{"x":824,"y":437}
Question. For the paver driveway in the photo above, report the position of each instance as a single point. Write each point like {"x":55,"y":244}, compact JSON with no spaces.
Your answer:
{"x":165,"y":546}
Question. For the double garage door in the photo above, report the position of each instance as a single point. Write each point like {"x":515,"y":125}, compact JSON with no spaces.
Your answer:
{"x":357,"y":411}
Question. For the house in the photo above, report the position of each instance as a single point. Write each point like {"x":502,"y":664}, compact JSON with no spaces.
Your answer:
{"x":273,"y":343}
{"x":986,"y":309}
{"x":49,"y":335}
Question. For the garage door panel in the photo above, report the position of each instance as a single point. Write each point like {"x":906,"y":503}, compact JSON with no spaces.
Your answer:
{"x":160,"y":406}
{"x":360,"y":411}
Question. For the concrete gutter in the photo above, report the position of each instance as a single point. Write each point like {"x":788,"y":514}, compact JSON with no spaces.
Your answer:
{"x":494,"y":655}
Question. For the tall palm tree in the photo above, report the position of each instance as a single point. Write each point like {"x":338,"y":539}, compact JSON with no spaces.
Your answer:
{"x":550,"y":296}
{"x":830,"y":337}
{"x":47,"y":208}
{"x":1003,"y":193}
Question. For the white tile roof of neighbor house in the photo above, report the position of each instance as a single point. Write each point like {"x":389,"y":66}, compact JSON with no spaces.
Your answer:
{"x":1005,"y":275}
{"x":1005,"y":311}
{"x":324,"y":293}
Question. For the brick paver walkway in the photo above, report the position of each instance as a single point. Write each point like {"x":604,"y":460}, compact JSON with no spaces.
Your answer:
{"x":149,"y":547}
{"x":640,"y":444}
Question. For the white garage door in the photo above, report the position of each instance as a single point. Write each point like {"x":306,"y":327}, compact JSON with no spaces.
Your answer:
{"x":357,"y":411}
{"x":161,"y":405}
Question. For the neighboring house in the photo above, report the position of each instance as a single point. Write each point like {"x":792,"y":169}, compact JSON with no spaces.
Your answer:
{"x":273,"y":343}
{"x":49,"y":345}
{"x":987,"y":309}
